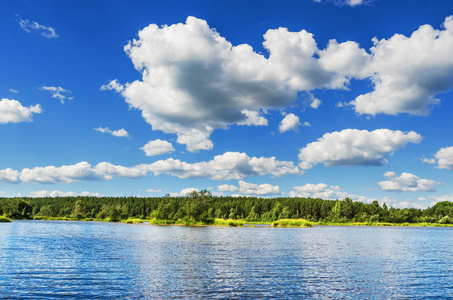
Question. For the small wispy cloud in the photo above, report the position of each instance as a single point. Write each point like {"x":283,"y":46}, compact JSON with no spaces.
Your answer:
{"x":14,"y":91}
{"x":32,"y":26}
{"x":118,"y":133}
{"x":58,"y":92}
{"x":345,"y":2}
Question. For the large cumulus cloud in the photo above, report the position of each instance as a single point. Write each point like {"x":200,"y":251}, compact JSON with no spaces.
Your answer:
{"x":352,"y":147}
{"x":195,"y":81}
{"x":408,"y":72}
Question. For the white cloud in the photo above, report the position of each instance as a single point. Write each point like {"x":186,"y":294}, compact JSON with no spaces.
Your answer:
{"x":352,"y":147}
{"x":89,"y":194}
{"x":29,"y":26}
{"x":63,"y":174}
{"x":12,"y":111}
{"x":57,"y":92}
{"x":194,"y":81}
{"x":118,"y":133}
{"x":157,"y":147}
{"x":227,"y":188}
{"x":448,"y":197}
{"x":230,"y":165}
{"x":113,"y":85}
{"x":14,"y":91}
{"x":408,"y":204}
{"x":246,"y":188}
{"x":9,"y":176}
{"x":320,"y":190}
{"x":253,"y":118}
{"x":408,"y":72}
{"x":324,"y":191}
{"x":184,"y":192}
{"x":56,"y":193}
{"x":312,"y":101}
{"x":430,"y":161}
{"x":443,"y":158}
{"x":154,"y":191}
{"x":406,"y":182}
{"x":290,"y":122}
{"x":306,"y":124}
{"x":345,"y":2}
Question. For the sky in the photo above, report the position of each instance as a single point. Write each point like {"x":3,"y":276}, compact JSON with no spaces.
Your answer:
{"x":325,"y":98}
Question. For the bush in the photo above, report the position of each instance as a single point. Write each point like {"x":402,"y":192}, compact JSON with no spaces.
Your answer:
{"x":134,"y":221}
{"x":291,"y":223}
{"x":446,"y":220}
{"x":4,"y":219}
{"x":228,"y":222}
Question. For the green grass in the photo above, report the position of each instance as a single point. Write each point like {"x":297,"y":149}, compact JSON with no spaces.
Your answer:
{"x":133,"y":221}
{"x":47,"y":218}
{"x":383,"y":224}
{"x":291,"y":223}
{"x":237,"y":223}
{"x":4,"y":219}
{"x":258,"y":222}
{"x":190,"y":222}
{"x":229,"y":222}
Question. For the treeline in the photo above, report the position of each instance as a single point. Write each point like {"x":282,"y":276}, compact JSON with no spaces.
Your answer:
{"x":202,"y":206}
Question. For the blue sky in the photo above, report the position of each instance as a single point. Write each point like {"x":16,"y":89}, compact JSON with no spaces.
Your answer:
{"x":329,"y":99}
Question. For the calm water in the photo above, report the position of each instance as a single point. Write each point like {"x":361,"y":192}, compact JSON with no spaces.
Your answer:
{"x":51,"y":259}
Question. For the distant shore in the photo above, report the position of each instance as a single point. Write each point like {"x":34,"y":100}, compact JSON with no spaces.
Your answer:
{"x":203,"y":209}
{"x":287,"y":223}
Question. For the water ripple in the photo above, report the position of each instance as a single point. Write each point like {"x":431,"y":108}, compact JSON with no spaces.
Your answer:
{"x":82,"y":260}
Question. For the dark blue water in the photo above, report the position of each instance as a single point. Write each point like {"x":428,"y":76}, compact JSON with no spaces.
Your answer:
{"x":51,"y":259}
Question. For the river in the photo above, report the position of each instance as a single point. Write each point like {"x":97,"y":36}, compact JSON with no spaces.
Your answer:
{"x":88,"y":260}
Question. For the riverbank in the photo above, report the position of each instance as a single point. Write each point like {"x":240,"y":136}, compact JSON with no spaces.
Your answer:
{"x":294,"y":223}
{"x":382,"y":224}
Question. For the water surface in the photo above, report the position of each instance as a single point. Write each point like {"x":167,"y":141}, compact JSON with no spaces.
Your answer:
{"x":58,"y":259}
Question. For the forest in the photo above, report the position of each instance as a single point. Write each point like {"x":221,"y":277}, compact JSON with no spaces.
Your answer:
{"x":203,"y":207}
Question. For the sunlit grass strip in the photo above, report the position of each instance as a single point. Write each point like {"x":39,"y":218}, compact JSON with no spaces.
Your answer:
{"x":190,"y":222}
{"x":291,"y":223}
{"x":133,"y":221}
{"x":4,"y":219}
{"x":383,"y":224}
{"x":229,"y":222}
{"x":47,"y":218}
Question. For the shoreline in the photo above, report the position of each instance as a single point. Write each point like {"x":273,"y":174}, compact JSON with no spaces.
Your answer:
{"x":282,"y":223}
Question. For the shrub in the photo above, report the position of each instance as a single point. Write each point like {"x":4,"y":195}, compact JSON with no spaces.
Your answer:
{"x":4,"y":219}
{"x":446,"y":220}
{"x":133,"y":221}
{"x":291,"y":223}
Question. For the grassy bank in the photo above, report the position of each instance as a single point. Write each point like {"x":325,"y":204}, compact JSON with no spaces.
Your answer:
{"x":292,"y":223}
{"x":229,"y":222}
{"x":4,"y":219}
{"x":383,"y":224}
{"x":236,"y":223}
{"x":134,"y":221}
{"x":191,"y":222}
{"x":128,"y":221}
